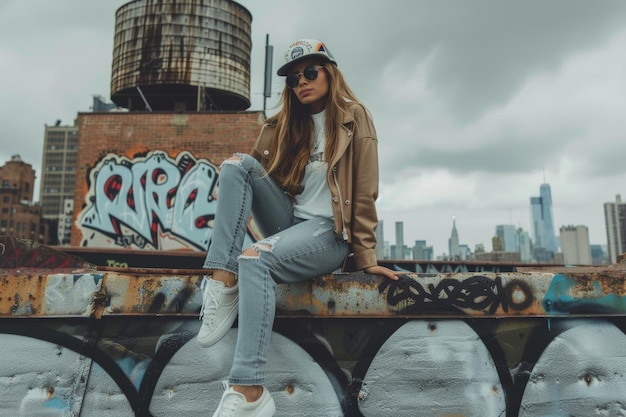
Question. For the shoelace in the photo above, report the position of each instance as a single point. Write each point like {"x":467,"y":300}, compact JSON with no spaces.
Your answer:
{"x":229,"y":403}
{"x":209,"y":301}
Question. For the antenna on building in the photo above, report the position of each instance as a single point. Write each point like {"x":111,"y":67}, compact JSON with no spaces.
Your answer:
{"x":269,"y":53}
{"x":144,"y":99}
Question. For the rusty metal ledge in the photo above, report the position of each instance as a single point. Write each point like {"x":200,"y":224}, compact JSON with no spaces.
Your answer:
{"x":97,"y":294}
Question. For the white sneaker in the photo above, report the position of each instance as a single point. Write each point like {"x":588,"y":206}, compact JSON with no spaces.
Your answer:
{"x":220,"y":306}
{"x":234,"y":404}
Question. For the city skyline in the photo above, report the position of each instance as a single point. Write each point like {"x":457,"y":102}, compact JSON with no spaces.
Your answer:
{"x":410,"y":241}
{"x":539,"y":208}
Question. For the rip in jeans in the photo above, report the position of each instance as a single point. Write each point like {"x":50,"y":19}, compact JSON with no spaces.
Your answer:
{"x":233,"y":160}
{"x":265,"y":245}
{"x":324,"y":227}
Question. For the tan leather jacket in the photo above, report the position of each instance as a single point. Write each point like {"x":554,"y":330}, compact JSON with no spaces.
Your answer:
{"x":353,"y":181}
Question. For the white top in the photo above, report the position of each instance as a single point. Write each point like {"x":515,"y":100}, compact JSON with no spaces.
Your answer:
{"x":315,"y":199}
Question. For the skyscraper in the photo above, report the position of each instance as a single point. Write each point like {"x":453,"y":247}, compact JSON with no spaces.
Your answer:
{"x":399,"y":240}
{"x":508,"y":235}
{"x":422,"y":252}
{"x":58,"y":170}
{"x":575,"y":245}
{"x":541,"y":220}
{"x":453,"y":242}
{"x":523,"y":241}
{"x":615,"y":220}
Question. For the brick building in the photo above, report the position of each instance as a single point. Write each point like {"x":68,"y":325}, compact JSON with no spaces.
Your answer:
{"x":148,"y":180}
{"x":19,"y":216}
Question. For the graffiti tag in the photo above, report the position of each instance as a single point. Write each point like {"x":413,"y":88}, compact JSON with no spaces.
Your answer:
{"x":141,"y":201}
{"x":477,"y":293}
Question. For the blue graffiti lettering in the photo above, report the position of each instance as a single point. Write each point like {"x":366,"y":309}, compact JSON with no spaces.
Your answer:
{"x":140,"y":201}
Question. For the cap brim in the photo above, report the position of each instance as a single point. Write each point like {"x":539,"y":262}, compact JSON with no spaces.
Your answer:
{"x":284,"y":70}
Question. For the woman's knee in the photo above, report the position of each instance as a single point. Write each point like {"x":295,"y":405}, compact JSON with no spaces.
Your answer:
{"x":238,"y":159}
{"x":253,"y":251}
{"x":250,"y":253}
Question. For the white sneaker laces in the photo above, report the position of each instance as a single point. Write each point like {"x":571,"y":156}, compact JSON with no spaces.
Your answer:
{"x":209,"y":302}
{"x":229,"y":404}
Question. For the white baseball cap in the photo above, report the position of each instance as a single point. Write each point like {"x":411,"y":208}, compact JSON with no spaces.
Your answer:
{"x":303,"y":49}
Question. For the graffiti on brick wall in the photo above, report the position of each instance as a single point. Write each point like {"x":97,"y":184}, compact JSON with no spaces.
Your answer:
{"x":151,"y":201}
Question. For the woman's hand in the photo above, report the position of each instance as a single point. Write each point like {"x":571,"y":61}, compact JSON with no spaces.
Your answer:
{"x":382,"y":271}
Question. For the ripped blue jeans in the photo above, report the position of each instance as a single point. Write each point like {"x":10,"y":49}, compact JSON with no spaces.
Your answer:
{"x":292,"y":250}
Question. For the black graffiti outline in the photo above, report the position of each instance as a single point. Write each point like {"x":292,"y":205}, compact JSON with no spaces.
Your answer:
{"x":478,"y":293}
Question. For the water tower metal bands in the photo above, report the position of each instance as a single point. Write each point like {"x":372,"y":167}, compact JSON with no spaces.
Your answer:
{"x":182,"y":55}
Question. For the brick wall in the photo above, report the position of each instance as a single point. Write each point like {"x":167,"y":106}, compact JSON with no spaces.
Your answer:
{"x":210,"y":136}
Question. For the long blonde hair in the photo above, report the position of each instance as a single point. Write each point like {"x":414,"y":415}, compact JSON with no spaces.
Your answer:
{"x":290,"y":148}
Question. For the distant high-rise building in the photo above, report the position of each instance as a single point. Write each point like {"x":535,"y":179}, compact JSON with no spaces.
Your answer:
{"x":541,"y":220}
{"x":65,"y":223}
{"x":453,"y":243}
{"x":575,"y":245}
{"x":523,"y":242}
{"x":615,"y":220}
{"x":508,"y":236}
{"x":399,"y":252}
{"x":422,"y":252}
{"x":465,"y":253}
{"x":387,"y":254}
{"x":19,"y":217}
{"x":428,"y":253}
{"x":599,"y":255}
{"x":496,"y":244}
{"x":380,"y":241}
{"x":58,"y":170}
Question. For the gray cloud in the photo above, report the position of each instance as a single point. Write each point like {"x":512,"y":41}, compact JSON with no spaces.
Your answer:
{"x":464,"y":94}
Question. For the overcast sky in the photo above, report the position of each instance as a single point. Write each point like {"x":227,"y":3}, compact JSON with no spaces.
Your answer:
{"x":475,"y":102}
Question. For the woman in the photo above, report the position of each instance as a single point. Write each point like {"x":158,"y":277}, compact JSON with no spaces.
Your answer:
{"x":310,"y":183}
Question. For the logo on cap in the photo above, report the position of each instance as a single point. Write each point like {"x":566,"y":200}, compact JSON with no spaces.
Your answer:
{"x":297,"y":52}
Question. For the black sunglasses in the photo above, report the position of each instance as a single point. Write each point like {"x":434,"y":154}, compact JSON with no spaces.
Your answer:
{"x":310,"y":73}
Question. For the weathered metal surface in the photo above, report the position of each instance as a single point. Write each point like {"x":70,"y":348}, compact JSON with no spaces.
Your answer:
{"x":158,"y":292}
{"x":120,"y":341}
{"x":173,"y":49}
{"x":580,"y":373}
{"x":450,"y":369}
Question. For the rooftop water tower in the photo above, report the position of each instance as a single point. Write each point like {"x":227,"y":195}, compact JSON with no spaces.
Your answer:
{"x":182,"y":55}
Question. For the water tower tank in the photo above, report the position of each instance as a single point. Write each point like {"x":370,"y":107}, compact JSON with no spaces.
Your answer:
{"x":178,"y":55}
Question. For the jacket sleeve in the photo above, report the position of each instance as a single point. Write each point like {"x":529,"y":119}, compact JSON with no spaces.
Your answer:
{"x":365,"y":190}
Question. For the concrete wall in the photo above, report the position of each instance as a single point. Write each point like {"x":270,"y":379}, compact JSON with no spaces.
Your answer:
{"x":82,"y":341}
